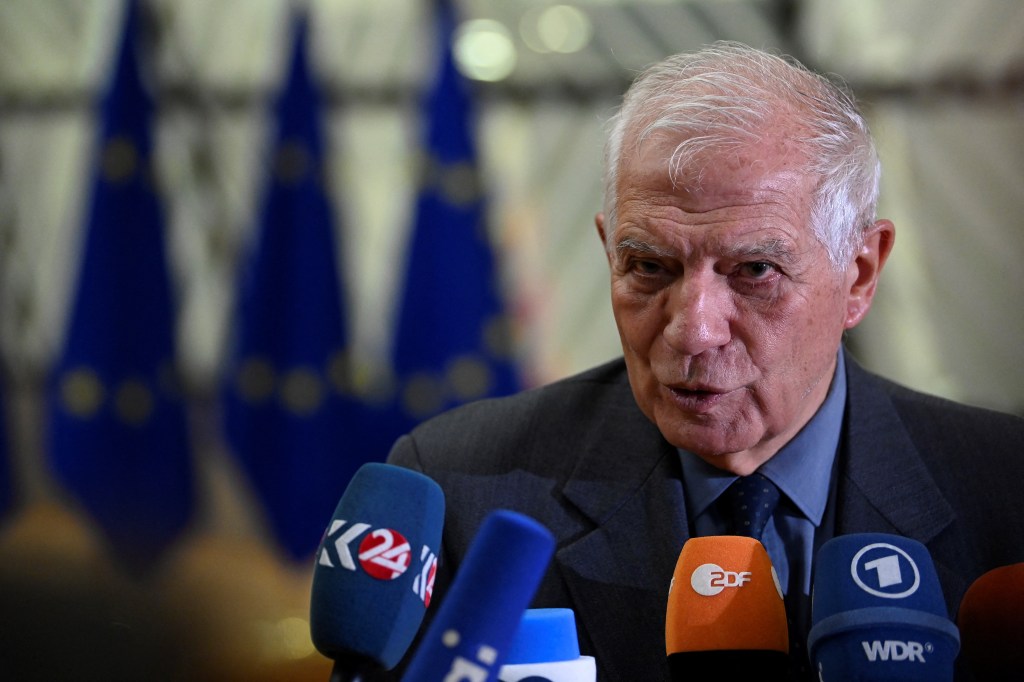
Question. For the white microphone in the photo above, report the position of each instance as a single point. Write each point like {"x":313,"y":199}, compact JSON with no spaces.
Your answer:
{"x":545,"y":647}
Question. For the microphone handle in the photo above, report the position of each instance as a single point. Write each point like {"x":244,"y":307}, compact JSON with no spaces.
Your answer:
{"x":356,"y":668}
{"x":729,"y":664}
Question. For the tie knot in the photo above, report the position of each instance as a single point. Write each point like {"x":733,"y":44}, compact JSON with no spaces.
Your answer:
{"x":752,"y":500}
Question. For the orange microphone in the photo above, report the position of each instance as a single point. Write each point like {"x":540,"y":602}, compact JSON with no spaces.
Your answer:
{"x":991,"y":620}
{"x":726,"y":618}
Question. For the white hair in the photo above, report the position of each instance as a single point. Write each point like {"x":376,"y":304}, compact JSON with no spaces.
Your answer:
{"x":729,"y":95}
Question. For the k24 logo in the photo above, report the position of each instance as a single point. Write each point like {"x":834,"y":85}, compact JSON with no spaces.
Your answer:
{"x":382,"y":553}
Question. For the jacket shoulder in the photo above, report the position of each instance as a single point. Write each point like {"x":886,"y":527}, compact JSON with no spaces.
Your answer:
{"x":567,"y":404}
{"x":946,"y":424}
{"x":545,"y":423}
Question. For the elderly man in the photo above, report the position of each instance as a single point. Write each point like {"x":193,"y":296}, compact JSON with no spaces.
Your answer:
{"x":739,"y":227}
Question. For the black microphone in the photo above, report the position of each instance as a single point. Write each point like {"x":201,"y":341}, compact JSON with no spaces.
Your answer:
{"x":375,"y":570}
{"x":991,"y":620}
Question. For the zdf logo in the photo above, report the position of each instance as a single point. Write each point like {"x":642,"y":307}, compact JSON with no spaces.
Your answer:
{"x":710,"y":579}
{"x":885,"y":570}
{"x":383,"y":554}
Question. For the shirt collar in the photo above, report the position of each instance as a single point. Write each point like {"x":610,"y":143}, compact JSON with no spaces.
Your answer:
{"x":801,"y":469}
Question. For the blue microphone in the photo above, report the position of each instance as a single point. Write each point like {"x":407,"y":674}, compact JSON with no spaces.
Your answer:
{"x":375,"y":570}
{"x":470,"y":635}
{"x":878,"y":613}
{"x":546,"y":649}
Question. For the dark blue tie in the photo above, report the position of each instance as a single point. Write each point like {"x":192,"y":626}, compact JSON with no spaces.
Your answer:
{"x":753,"y":500}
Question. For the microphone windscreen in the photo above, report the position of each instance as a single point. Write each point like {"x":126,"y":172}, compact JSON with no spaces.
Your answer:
{"x":726,"y":616}
{"x":877,"y":612}
{"x":375,"y":567}
{"x":991,"y":620}
{"x":545,"y":647}
{"x":471,"y":632}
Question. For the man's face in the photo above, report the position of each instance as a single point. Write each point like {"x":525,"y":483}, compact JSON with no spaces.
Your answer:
{"x":729,"y":312}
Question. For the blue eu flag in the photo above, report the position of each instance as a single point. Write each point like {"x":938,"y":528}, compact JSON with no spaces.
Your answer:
{"x":453,"y":339}
{"x":287,"y":414}
{"x":118,"y":438}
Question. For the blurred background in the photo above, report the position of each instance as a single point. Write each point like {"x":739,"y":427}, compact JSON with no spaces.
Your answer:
{"x":244,"y":244}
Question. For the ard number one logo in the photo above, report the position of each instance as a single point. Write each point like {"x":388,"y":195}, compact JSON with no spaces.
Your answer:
{"x":880,"y":567}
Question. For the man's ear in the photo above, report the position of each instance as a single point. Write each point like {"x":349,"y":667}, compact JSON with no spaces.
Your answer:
{"x":867,"y":268}
{"x":599,"y":223}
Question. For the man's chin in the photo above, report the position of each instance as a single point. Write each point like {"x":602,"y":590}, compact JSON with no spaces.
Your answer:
{"x":735,"y":454}
{"x":739,"y":463}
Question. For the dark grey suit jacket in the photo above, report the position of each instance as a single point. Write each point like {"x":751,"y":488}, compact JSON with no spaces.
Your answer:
{"x":581,"y":458}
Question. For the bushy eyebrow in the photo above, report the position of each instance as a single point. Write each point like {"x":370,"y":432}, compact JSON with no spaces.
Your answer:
{"x":770,"y":249}
{"x":643,"y":248}
{"x":778,"y":250}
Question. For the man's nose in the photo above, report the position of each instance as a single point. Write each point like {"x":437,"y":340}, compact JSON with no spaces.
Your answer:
{"x":699,"y":310}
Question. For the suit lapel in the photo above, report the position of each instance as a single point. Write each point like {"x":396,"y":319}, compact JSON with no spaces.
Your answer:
{"x":628,"y":483}
{"x":885,"y":487}
{"x":884,"y":484}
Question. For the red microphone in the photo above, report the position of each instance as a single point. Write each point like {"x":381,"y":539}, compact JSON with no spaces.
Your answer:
{"x":991,"y":621}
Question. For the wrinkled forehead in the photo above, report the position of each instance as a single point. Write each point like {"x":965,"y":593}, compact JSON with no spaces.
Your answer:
{"x":677,"y":164}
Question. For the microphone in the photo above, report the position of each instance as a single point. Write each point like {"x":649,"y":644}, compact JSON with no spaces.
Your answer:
{"x":471,"y":632}
{"x":726,"y":618}
{"x":375,"y":570}
{"x":991,"y":620}
{"x":545,"y":648}
{"x":877,"y":612}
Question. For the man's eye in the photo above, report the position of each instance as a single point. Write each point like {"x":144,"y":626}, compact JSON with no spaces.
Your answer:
{"x":757,"y":270}
{"x":646,"y":267}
